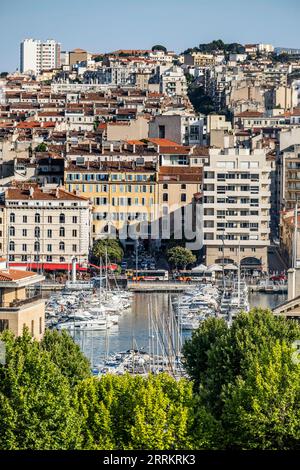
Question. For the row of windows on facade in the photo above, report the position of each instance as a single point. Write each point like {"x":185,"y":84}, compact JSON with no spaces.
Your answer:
{"x":36,"y":258}
{"x":38,"y":203}
{"x":37,"y":218}
{"x":211,"y":236}
{"x":37,"y":247}
{"x":37,"y":232}
{"x":231,"y":176}
{"x":105,"y":177}
{"x":240,"y":249}
{"x":103,"y":188}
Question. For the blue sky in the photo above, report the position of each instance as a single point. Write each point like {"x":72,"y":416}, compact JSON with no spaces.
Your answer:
{"x":99,"y":26}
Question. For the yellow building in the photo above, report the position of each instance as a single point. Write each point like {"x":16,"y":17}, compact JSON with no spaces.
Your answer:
{"x":119,"y":192}
{"x":20,"y":303}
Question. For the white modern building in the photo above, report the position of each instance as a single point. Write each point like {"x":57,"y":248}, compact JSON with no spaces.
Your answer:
{"x":36,"y":56}
{"x":173,"y":82}
{"x":236,"y":189}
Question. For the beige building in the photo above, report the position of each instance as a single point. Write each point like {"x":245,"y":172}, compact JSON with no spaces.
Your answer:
{"x":199,"y":59}
{"x":21,"y":305}
{"x":44,"y":227}
{"x":134,"y":129}
{"x":236,"y":208}
{"x":78,"y":55}
{"x":290,"y":178}
{"x":179,"y":188}
{"x":287,"y":236}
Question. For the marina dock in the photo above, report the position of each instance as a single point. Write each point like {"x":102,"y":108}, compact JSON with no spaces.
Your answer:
{"x":157,"y":286}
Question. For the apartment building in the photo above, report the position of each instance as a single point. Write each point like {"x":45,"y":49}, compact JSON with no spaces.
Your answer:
{"x":121,"y":193}
{"x":290,"y":178}
{"x":199,"y":59}
{"x":21,"y":304}
{"x":236,"y":189}
{"x":173,"y":82}
{"x":287,"y":237}
{"x":44,"y":227}
{"x":136,"y":188}
{"x":36,"y":55}
{"x":181,"y":128}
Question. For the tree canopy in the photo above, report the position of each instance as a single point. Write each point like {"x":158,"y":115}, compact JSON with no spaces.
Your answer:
{"x":113,"y":248}
{"x":41,"y":147}
{"x":159,"y":47}
{"x":246,"y":377}
{"x":180,"y":257}
{"x":36,"y":402}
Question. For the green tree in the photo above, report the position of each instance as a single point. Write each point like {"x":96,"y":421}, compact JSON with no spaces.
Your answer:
{"x":133,"y":412}
{"x":3,"y":74}
{"x":196,"y":349}
{"x":113,"y":248}
{"x":200,"y":101}
{"x":66,"y":354}
{"x":96,"y":123}
{"x":36,"y":402}
{"x":159,"y":47}
{"x":180,"y":257}
{"x":230,"y":353}
{"x":41,"y":147}
{"x":262,"y":409}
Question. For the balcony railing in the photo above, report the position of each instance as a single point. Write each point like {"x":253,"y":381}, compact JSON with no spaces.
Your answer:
{"x":17,"y":303}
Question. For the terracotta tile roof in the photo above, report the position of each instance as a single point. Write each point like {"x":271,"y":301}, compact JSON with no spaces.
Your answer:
{"x":164,"y":142}
{"x":136,"y":142}
{"x":15,"y":275}
{"x":28,"y":125}
{"x":249,"y":114}
{"x":22,"y":192}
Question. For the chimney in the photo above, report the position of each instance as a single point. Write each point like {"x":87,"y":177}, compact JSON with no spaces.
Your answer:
{"x":31,"y":192}
{"x":57,"y":193}
{"x":111,"y":147}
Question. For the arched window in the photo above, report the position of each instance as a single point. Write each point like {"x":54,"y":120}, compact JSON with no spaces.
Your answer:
{"x":12,"y":218}
{"x":62,"y":246}
{"x":62,"y":218}
{"x":12,"y":231}
{"x":37,"y":232}
{"x":61,"y":232}
{"x":11,"y":246}
{"x":36,"y":246}
{"x":37,"y":218}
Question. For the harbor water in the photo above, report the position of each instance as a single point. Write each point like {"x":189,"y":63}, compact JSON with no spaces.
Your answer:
{"x":132,"y":332}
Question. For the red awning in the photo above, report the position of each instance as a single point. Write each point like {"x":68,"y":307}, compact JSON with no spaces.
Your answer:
{"x":112,"y":267}
{"x":49,"y":266}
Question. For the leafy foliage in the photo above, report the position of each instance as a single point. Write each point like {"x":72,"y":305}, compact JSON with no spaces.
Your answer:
{"x":137,"y":413}
{"x":180,"y":257}
{"x":159,"y":47}
{"x":41,"y":147}
{"x":114,"y":250}
{"x":36,"y":403}
{"x":66,"y":355}
{"x":247,"y":379}
{"x":201,"y":102}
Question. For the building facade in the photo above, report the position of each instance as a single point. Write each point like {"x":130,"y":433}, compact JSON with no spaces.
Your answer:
{"x":236,"y":208}
{"x":44,"y":226}
{"x":21,"y":304}
{"x":36,"y":56}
